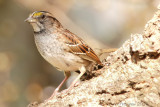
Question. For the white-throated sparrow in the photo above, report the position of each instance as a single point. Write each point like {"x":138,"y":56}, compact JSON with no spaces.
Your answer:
{"x":60,"y":47}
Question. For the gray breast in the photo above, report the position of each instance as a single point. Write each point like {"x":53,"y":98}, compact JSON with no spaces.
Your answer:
{"x":54,"y":52}
{"x":48,"y":44}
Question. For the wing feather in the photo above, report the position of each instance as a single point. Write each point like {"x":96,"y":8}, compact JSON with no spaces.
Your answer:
{"x":78,"y":47}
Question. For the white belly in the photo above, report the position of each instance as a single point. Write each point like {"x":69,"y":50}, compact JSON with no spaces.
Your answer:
{"x":52,"y":51}
{"x":64,"y":63}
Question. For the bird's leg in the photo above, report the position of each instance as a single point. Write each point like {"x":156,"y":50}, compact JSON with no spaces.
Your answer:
{"x":67,"y":75}
{"x":82,"y":71}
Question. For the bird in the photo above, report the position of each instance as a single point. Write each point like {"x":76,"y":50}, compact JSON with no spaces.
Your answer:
{"x":61,"y":48}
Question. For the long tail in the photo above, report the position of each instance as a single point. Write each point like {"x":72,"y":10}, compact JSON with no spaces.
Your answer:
{"x":102,"y":51}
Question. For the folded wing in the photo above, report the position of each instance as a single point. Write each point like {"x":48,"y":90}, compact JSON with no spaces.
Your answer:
{"x":78,"y":47}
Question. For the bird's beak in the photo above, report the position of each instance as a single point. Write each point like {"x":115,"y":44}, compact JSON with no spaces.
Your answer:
{"x":30,"y":20}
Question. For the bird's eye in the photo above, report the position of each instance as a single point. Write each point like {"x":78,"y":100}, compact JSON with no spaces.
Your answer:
{"x":43,"y":16}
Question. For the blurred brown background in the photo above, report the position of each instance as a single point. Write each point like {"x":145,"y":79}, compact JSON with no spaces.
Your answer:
{"x":24,"y":75}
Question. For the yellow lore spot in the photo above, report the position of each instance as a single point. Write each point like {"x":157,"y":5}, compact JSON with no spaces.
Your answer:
{"x":37,"y":14}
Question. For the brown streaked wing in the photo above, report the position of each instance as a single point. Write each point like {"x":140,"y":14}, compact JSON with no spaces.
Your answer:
{"x":78,"y":47}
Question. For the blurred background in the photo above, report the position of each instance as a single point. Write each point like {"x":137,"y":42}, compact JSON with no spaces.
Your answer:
{"x":24,"y":75}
